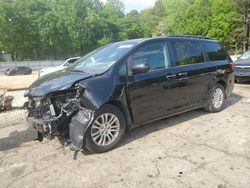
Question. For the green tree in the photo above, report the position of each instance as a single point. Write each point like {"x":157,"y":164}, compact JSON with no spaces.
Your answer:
{"x":19,"y":27}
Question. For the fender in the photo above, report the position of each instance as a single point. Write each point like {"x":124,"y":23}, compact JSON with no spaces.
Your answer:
{"x":96,"y":92}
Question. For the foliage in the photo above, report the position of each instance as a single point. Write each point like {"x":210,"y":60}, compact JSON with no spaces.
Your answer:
{"x":58,"y":29}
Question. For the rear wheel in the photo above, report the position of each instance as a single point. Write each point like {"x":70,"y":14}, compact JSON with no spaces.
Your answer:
{"x":216,"y":99}
{"x":107,"y":129}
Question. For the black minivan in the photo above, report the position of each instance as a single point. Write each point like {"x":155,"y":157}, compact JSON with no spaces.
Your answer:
{"x":122,"y":85}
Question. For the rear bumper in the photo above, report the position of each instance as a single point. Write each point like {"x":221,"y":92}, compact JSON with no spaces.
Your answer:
{"x":242,"y":76}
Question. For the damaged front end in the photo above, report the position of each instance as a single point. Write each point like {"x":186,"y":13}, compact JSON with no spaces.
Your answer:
{"x":60,"y":114}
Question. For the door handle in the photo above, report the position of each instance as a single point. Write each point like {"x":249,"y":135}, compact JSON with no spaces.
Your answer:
{"x":182,"y":74}
{"x":171,"y":76}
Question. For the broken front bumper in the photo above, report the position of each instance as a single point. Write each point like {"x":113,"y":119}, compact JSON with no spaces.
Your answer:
{"x":77,"y":127}
{"x":36,"y":124}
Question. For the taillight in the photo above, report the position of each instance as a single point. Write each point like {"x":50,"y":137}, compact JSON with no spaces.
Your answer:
{"x":231,"y":67}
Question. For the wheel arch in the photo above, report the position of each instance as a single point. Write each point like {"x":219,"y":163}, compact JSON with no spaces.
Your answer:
{"x":224,"y":84}
{"x":124,"y":110}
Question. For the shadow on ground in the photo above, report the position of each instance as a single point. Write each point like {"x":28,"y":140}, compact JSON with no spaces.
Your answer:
{"x":17,"y":138}
{"x":147,"y":129}
{"x":243,"y":83}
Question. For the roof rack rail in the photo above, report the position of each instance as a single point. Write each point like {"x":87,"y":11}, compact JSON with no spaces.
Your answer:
{"x":191,"y":36}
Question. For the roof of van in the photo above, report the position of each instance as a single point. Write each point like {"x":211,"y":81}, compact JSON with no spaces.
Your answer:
{"x":193,"y":37}
{"x":190,"y":37}
{"x":137,"y":41}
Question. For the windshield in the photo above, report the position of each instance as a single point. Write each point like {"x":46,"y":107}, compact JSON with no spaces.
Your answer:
{"x":100,"y":60}
{"x":245,"y":55}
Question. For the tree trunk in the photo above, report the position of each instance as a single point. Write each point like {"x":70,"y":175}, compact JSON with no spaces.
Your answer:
{"x":247,"y":22}
{"x":12,"y":56}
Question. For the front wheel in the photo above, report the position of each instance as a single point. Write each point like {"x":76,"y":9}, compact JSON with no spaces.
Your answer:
{"x":107,"y":129}
{"x":216,"y":99}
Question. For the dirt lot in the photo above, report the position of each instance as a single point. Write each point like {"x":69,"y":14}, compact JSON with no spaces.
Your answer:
{"x":195,"y":149}
{"x":17,"y":82}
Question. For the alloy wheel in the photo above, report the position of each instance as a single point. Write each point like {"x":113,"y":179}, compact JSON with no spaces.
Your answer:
{"x":217,"y":98}
{"x":105,"y":129}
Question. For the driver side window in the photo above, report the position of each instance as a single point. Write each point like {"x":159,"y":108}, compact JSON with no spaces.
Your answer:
{"x":155,"y":55}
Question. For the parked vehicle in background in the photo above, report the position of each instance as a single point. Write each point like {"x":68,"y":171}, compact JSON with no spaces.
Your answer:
{"x":64,"y":65}
{"x":18,"y":71}
{"x":125,"y":84}
{"x":242,"y":68}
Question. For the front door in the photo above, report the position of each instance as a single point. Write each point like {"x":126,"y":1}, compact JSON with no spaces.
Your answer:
{"x":152,"y":94}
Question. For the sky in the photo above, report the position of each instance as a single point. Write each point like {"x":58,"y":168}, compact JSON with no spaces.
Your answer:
{"x":136,"y":4}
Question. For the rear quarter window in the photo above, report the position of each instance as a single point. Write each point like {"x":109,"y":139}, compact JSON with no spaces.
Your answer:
{"x":214,"y":51}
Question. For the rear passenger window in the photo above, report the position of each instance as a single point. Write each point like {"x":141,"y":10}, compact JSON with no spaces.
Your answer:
{"x":186,"y":52}
{"x":214,"y":51}
{"x":154,"y":54}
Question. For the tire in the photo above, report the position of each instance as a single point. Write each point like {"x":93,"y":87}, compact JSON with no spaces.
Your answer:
{"x":216,"y":99}
{"x":114,"y":132}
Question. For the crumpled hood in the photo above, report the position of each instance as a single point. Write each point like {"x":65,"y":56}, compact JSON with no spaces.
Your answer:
{"x":57,"y":81}
{"x":52,"y":69}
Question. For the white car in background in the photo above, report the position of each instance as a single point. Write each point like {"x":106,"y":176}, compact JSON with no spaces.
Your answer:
{"x":64,"y":65}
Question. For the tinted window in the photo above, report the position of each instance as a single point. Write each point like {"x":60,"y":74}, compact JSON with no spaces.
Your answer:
{"x":72,"y":61}
{"x":187,"y":53}
{"x":214,"y":51}
{"x":154,"y":54}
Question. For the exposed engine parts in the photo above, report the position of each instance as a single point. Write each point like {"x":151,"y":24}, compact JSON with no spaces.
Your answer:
{"x":60,"y":115}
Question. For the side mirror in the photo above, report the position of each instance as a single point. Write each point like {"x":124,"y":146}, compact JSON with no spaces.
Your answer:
{"x":142,"y":67}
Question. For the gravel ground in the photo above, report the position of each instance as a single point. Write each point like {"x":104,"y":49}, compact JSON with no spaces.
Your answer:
{"x":19,"y":98}
{"x":195,"y":149}
{"x":18,"y":81}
